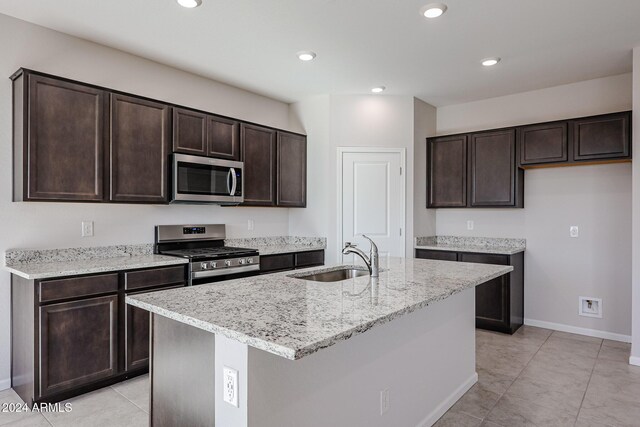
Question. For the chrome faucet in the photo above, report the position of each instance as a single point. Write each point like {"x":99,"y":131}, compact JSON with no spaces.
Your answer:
{"x":371,"y":261}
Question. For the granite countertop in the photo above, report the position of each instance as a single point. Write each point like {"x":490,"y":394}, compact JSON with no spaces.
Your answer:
{"x":45,"y":270}
{"x":293,"y":318}
{"x":279,"y":244}
{"x":487,"y":245}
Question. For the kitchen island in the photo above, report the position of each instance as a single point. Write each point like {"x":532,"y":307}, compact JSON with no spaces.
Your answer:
{"x":301,"y":352}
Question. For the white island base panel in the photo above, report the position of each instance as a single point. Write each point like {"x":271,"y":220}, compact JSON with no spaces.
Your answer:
{"x":425,"y":359}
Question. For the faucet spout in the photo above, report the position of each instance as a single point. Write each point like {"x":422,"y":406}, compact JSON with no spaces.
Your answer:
{"x":371,"y":261}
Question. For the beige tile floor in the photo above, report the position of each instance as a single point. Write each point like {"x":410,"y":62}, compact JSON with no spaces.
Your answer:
{"x":532,"y":378}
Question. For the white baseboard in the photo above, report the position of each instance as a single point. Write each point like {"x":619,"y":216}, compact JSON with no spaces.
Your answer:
{"x":5,"y":384}
{"x":634,"y":360}
{"x":576,"y":330}
{"x":435,"y":415}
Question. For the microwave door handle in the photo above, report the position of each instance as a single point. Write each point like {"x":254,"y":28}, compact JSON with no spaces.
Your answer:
{"x":228,"y":184}
{"x":234,"y":179}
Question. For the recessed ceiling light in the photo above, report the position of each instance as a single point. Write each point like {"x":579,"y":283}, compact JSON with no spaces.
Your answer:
{"x":378,"y":89}
{"x":306,"y":55}
{"x":489,"y":62}
{"x":190,"y":4}
{"x":433,"y":10}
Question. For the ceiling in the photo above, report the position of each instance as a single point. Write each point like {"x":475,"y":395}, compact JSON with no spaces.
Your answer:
{"x":362,"y":43}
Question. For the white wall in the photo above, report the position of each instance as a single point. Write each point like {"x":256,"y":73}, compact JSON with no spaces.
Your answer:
{"x":424,"y":220}
{"x":559,"y":269}
{"x":635,"y":348}
{"x":40,"y":225}
{"x":341,"y":121}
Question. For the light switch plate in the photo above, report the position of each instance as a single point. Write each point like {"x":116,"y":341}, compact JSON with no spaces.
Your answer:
{"x":230,"y":386}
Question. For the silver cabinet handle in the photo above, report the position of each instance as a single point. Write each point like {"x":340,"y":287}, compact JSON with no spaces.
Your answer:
{"x":234,"y":178}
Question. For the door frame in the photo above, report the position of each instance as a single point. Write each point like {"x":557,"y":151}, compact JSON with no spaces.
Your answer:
{"x":403,"y":190}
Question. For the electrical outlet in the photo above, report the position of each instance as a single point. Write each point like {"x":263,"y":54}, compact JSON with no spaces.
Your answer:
{"x":574,"y":231}
{"x":87,"y":228}
{"x":250,"y":224}
{"x":230,"y":386}
{"x":384,"y":401}
{"x":469,"y":225}
{"x":590,"y":307}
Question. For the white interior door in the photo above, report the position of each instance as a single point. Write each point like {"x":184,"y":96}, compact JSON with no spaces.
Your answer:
{"x":373,"y":200}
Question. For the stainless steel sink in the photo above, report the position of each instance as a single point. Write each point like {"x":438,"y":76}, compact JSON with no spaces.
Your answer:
{"x":334,"y":275}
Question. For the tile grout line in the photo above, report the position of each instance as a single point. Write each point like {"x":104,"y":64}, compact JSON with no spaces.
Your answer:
{"x":129,"y":400}
{"x":516,"y":378}
{"x":512,"y":382}
{"x":593,"y":368}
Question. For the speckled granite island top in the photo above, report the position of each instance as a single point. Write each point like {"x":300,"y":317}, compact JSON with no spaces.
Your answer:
{"x":293,"y":318}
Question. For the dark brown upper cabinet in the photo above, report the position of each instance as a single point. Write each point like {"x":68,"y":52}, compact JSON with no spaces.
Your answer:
{"x":543,"y":143}
{"x":189,"y":132}
{"x":259,"y":156}
{"x":139,"y":149}
{"x":203,"y":134}
{"x":223,"y":138}
{"x":292,"y":170}
{"x":59,"y":140}
{"x":447,"y":172}
{"x":602,"y":137}
{"x":493,"y":175}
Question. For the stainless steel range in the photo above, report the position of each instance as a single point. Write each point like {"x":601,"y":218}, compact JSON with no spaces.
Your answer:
{"x":210,"y":260}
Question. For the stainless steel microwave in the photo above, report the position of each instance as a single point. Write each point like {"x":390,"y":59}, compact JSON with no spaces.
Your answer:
{"x":199,"y":179}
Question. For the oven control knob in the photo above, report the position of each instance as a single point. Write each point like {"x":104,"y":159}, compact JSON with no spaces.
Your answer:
{"x":227,"y":263}
{"x":242,"y":261}
{"x":249,"y":260}
{"x":214,"y":264}
{"x":203,"y":265}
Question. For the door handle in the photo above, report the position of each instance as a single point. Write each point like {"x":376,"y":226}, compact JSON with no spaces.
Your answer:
{"x":234,"y":180}
{"x":229,"y":185}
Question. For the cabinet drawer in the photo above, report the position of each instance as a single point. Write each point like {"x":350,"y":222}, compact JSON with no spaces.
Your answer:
{"x":437,"y":255}
{"x":154,"y":277}
{"x":309,"y":258}
{"x":484,"y":258}
{"x":52,"y":290}
{"x":276,"y":262}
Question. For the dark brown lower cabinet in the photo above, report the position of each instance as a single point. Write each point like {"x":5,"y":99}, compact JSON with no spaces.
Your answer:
{"x":78,"y":343}
{"x":500,"y":301}
{"x":291,"y":261}
{"x":71,"y":335}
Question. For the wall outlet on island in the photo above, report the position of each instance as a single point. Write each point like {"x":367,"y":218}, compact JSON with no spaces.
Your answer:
{"x":384,"y":401}
{"x":87,"y":228}
{"x":230,"y":386}
{"x":470,"y":225}
{"x":250,"y":225}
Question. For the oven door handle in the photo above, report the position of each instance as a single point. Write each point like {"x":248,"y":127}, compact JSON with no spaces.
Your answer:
{"x":234,"y":180}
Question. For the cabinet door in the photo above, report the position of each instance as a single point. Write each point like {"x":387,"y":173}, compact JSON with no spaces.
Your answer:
{"x":292,"y":170}
{"x":137,"y":335}
{"x":223,"y":136}
{"x":544,"y":143}
{"x":602,"y":137}
{"x":65,"y":142}
{"x":447,"y":172}
{"x":139,"y":150}
{"x":492,"y":177}
{"x":189,"y":132}
{"x":492,"y":297}
{"x":259,"y":155}
{"x":78,"y":343}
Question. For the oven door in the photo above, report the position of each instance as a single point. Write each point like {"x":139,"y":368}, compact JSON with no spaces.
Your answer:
{"x":205,"y":180}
